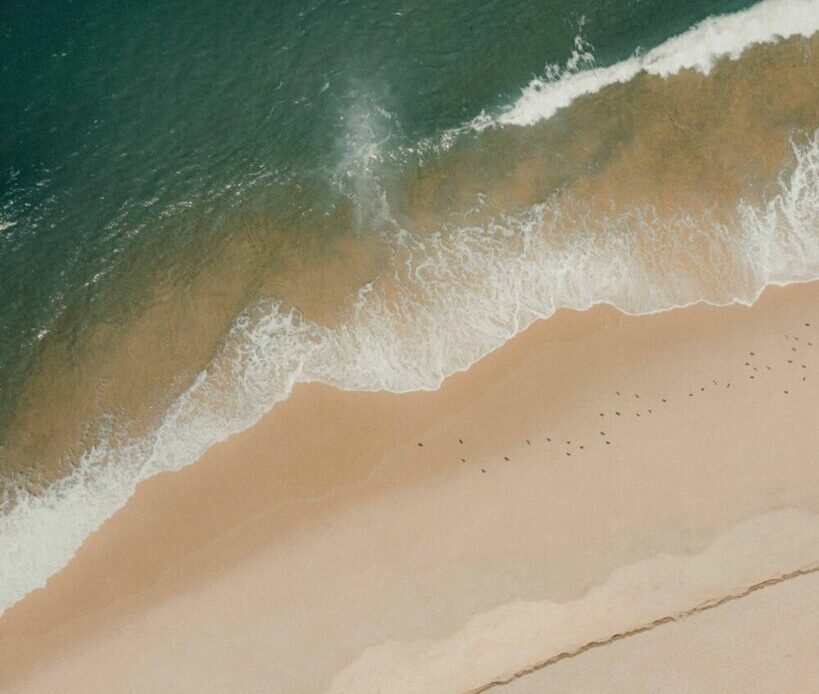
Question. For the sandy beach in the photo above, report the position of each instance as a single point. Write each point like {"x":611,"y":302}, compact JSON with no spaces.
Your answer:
{"x":597,"y":474}
{"x":759,"y":643}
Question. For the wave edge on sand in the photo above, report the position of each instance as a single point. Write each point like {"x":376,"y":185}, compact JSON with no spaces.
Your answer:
{"x":474,"y":287}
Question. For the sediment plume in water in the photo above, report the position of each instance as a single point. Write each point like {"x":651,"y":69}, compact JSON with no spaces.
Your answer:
{"x":654,"y":191}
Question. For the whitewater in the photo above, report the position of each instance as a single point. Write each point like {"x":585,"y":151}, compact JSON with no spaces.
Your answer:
{"x":699,"y":48}
{"x":454,"y":297}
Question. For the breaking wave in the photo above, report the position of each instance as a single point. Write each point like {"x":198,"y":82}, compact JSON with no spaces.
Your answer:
{"x":699,"y":48}
{"x":455,"y":296}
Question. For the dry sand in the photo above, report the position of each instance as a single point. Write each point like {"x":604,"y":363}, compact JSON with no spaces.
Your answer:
{"x":764,"y":642}
{"x":325,"y":549}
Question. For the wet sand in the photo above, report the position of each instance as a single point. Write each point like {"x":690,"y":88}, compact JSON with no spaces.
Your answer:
{"x":596,"y":474}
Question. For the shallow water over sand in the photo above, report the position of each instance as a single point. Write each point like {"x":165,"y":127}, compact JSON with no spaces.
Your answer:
{"x":655,"y":193}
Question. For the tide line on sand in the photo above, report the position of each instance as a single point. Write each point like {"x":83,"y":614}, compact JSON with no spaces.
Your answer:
{"x":513,"y":636}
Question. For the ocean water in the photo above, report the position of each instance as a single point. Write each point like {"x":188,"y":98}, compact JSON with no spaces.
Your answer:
{"x":201,"y":206}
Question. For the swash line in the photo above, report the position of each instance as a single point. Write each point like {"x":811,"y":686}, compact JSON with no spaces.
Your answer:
{"x":708,"y":605}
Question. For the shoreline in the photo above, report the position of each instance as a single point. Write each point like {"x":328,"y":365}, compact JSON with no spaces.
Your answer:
{"x":391,"y":339}
{"x":601,"y":306}
{"x":241,"y":509}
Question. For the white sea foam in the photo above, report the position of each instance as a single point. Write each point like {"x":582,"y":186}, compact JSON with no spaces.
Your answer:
{"x":456,"y":296}
{"x":726,"y":36}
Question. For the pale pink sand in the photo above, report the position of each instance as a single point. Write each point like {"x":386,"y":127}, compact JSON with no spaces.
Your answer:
{"x":409,"y":570}
{"x":765,"y":642}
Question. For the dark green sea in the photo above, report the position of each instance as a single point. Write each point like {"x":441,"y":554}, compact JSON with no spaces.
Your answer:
{"x":203,"y":203}
{"x":132,"y":132}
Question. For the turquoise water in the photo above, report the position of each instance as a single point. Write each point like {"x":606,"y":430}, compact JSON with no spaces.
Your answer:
{"x":132,"y":131}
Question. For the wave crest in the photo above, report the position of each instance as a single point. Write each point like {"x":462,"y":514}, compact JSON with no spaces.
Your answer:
{"x":454,"y":297}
